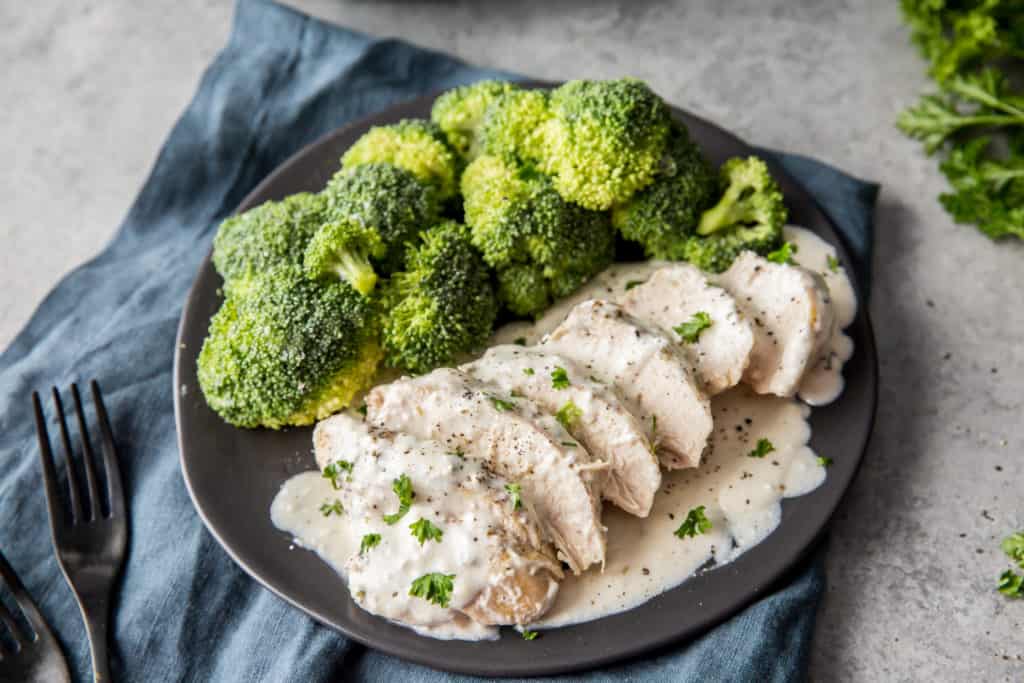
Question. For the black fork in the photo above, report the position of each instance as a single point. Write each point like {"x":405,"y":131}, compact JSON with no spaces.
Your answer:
{"x":89,"y":541}
{"x":31,"y":654}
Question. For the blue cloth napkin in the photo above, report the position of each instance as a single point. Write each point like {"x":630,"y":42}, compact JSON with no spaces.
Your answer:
{"x":185,"y":612}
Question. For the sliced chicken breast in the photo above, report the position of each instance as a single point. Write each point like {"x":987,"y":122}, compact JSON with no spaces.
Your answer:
{"x":647,"y":369}
{"x":500,"y":568}
{"x":591,"y":411}
{"x":675,"y":295}
{"x":516,"y":439}
{"x":793,"y":319}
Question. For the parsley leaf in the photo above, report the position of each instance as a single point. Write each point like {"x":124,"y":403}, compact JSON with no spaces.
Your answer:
{"x":569,"y":444}
{"x":528,"y":371}
{"x":560,"y":378}
{"x":403,"y":489}
{"x":690,"y":331}
{"x":1013,"y":546}
{"x":633,"y":283}
{"x":423,"y":531}
{"x":362,"y":410}
{"x":502,"y":405}
{"x":529,"y":635}
{"x":369,"y":541}
{"x":763,"y":448}
{"x":568,"y":414}
{"x":520,"y":341}
{"x":783,"y":254}
{"x":824,"y":461}
{"x":434,"y":587}
{"x":515,"y":492}
{"x":833,"y":263}
{"x":1011,"y":584}
{"x":328,"y":508}
{"x":695,"y":524}
{"x":333,"y":471}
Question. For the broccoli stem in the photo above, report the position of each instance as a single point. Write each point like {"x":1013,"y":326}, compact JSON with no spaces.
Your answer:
{"x":729,"y":211}
{"x":356,"y":270}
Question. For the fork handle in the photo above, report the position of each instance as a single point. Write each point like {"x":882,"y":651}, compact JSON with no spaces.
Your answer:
{"x":96,"y":618}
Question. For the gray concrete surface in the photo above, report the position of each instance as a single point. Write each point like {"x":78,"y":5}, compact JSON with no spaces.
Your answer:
{"x":90,"y":89}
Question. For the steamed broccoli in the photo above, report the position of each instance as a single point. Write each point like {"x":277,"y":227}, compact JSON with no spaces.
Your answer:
{"x":287,"y":350}
{"x":604,"y":140}
{"x":267,"y":235}
{"x":749,"y":216}
{"x":542,"y":246}
{"x":459,"y":113}
{"x":442,"y":305}
{"x":664,"y":215}
{"x":388,"y":199}
{"x":514,"y":125}
{"x":417,"y":146}
{"x":343,"y":249}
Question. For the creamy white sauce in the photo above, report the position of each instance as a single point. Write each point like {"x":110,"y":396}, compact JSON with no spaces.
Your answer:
{"x":741,"y":494}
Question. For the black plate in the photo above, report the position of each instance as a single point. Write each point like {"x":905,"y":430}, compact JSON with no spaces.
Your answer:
{"x":233,"y":475}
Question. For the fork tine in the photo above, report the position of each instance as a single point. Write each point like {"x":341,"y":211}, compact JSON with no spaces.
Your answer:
{"x":69,"y":461}
{"x":17,"y":589}
{"x":115,"y":492}
{"x":88,"y":457}
{"x":57,"y":518}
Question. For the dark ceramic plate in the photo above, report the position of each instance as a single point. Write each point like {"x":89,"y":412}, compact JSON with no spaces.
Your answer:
{"x":233,"y":474}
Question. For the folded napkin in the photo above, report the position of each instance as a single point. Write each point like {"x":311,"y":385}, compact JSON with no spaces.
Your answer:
{"x":184,"y":611}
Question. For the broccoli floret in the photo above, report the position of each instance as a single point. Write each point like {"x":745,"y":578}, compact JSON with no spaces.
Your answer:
{"x":542,"y":246}
{"x":418,"y":146}
{"x":343,"y":249}
{"x":388,"y":199}
{"x":442,"y":305}
{"x":287,"y":350}
{"x":460,"y":112}
{"x":604,"y":140}
{"x":664,"y":215}
{"x":749,"y":216}
{"x":514,"y":125}
{"x":267,"y":235}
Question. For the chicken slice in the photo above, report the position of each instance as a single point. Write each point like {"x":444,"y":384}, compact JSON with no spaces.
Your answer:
{"x":793,"y":319}
{"x":674,"y":295}
{"x":503,"y":572}
{"x":591,"y":411}
{"x":648,"y":370}
{"x":516,"y":439}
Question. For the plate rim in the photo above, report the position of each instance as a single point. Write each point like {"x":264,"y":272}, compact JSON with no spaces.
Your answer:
{"x":538,"y":668}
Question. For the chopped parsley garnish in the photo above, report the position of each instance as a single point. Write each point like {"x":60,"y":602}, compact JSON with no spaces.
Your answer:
{"x":560,"y":378}
{"x":423,"y":531}
{"x":633,"y":283}
{"x":328,"y":508}
{"x":529,"y":635}
{"x":1011,"y":584}
{"x":528,"y":371}
{"x":568,"y":414}
{"x":783,"y":254}
{"x":569,"y":444}
{"x":520,"y":341}
{"x":334,"y":470}
{"x":823,"y":461}
{"x":695,"y":524}
{"x":362,"y":410}
{"x":763,"y":448}
{"x":1013,"y":546}
{"x":403,"y":489}
{"x":515,"y":493}
{"x":690,"y":330}
{"x":654,"y":424}
{"x":833,"y":263}
{"x":501,"y":405}
{"x":434,"y":587}
{"x":369,"y":541}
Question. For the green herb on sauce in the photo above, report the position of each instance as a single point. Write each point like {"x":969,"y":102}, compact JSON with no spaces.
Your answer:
{"x":502,"y":405}
{"x":833,"y":263}
{"x":560,"y":378}
{"x":328,"y":508}
{"x":434,"y":587}
{"x":515,"y":493}
{"x":633,"y":283}
{"x":333,"y":472}
{"x":423,"y":531}
{"x":568,"y":414}
{"x":783,"y":254}
{"x":824,"y":461}
{"x":520,"y":341}
{"x":763,"y":448}
{"x":403,"y":489}
{"x":369,"y":541}
{"x":529,"y":635}
{"x":528,"y":371}
{"x":690,"y":331}
{"x":695,"y":524}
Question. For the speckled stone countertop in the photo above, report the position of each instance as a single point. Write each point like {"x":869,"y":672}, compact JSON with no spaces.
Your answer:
{"x":90,"y":90}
